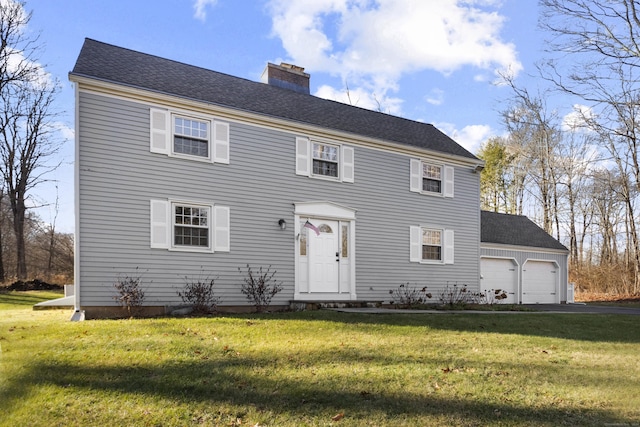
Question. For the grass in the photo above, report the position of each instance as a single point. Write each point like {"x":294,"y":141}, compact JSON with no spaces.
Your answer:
{"x":307,"y":368}
{"x":12,"y":300}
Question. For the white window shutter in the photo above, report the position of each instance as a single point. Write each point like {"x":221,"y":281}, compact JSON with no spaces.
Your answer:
{"x":416,"y":175}
{"x":160,"y":132}
{"x":448,"y":246}
{"x":303,"y":156}
{"x":160,"y":224}
{"x":348,"y":164}
{"x":221,"y":231}
{"x":448,"y":181}
{"x":415,"y":244}
{"x":221,"y":142}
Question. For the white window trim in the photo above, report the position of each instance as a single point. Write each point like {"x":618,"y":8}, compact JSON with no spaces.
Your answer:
{"x":162,"y":223}
{"x":337,"y":163}
{"x":416,"y":168}
{"x":415,"y":245}
{"x":304,"y":160}
{"x":173,"y":153}
{"x":162,"y":131}
{"x":172,"y":225}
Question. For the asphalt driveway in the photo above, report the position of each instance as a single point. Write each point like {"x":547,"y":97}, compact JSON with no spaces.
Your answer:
{"x":534,"y":308}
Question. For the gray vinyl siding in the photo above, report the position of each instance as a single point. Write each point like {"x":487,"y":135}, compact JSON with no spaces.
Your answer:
{"x":119,"y":177}
{"x":521,"y":257}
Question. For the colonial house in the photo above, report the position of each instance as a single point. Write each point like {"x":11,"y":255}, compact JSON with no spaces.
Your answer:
{"x":183,"y":173}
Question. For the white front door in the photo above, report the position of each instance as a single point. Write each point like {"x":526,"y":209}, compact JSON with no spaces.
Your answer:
{"x":324,"y":257}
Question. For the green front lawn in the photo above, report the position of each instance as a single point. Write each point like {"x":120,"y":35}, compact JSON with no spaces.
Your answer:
{"x":12,"y":300}
{"x":307,"y":368}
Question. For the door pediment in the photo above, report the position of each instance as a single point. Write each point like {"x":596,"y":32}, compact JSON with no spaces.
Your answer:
{"x":324,"y":209}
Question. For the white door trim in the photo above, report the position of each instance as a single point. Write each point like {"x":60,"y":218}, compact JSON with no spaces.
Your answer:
{"x":318,"y":211}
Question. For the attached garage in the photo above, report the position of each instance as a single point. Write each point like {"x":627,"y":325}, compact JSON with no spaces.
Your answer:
{"x":500,"y":273}
{"x":539,"y":282}
{"x":520,"y":258}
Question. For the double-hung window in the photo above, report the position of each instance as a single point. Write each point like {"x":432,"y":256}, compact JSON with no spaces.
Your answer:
{"x":431,"y":245}
{"x":431,"y":178}
{"x":193,"y":137}
{"x":191,"y":225}
{"x":325,"y":160}
{"x":320,"y":159}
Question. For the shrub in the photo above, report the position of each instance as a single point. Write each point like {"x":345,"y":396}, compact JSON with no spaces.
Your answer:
{"x":130,"y":293}
{"x":494,"y":296}
{"x":260,"y":287}
{"x":455,"y":295}
{"x":405,"y":296}
{"x":199,"y":294}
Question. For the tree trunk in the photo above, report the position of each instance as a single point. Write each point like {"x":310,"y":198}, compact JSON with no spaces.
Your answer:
{"x":18,"y":228}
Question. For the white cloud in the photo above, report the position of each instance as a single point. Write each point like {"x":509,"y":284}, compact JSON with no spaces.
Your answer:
{"x":578,"y":118}
{"x":200,"y":6}
{"x":435,"y":97}
{"x":371,"y":44}
{"x":470,"y":137}
{"x":359,"y":97}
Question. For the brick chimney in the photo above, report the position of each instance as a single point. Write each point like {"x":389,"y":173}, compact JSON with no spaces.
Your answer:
{"x":286,"y":76}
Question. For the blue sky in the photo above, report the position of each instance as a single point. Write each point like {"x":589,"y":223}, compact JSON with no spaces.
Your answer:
{"x":434,"y":61}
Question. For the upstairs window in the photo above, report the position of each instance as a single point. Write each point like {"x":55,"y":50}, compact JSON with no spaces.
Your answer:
{"x":191,"y":137}
{"x":322,"y":160}
{"x":325,"y":160}
{"x":431,"y":178}
{"x":195,"y":138}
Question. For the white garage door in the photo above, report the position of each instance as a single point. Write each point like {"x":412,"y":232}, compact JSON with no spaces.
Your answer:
{"x":497,"y":273}
{"x":539,"y":280}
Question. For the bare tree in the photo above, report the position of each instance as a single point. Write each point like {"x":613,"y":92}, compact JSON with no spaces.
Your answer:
{"x":26,"y":115}
{"x":3,"y":274}
{"x":533,"y":129}
{"x":574,"y":161}
{"x":595,"y":55}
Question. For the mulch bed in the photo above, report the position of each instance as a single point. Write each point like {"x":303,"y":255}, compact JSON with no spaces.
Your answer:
{"x":31,"y":285}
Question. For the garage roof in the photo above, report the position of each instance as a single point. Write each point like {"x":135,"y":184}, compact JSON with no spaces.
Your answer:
{"x":517,"y":230}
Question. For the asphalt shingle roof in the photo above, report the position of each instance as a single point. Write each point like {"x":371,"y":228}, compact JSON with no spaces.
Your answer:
{"x":515,"y":230}
{"x":114,"y":64}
